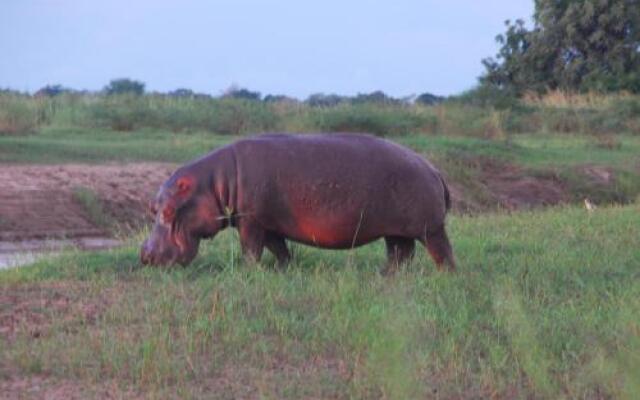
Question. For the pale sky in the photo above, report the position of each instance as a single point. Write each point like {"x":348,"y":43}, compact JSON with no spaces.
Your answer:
{"x":291,"y":47}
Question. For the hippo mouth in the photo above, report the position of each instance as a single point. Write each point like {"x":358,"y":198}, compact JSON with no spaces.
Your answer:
{"x":165,"y":248}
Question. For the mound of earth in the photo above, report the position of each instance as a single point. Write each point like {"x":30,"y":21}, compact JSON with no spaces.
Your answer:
{"x":514,"y":189}
{"x":500,"y":185}
{"x":41,"y":202}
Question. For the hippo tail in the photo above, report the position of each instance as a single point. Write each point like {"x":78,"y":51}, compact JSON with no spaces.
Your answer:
{"x":447,"y":195}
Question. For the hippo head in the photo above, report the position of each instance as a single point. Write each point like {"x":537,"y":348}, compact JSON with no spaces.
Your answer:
{"x":185,"y":211}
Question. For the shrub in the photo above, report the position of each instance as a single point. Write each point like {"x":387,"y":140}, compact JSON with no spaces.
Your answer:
{"x":375,"y":119}
{"x":481,"y":113}
{"x":20,"y":114}
{"x":224,"y":116}
{"x":428,"y":99}
{"x":377,"y":97}
{"x":122,"y":112}
{"x":627,"y":112}
{"x":182,"y":92}
{"x":51,"y":91}
{"x":235,"y":92}
{"x":325,"y":100}
{"x":124,"y":86}
{"x":235,"y":116}
{"x":488,"y":96}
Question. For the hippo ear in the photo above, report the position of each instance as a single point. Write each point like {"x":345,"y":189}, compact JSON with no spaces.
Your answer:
{"x":184,"y":184}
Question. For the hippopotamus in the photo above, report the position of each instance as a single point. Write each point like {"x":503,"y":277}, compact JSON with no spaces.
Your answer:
{"x":332,"y":191}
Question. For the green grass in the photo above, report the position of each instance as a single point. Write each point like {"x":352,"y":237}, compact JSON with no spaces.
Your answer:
{"x":59,"y":145}
{"x":533,"y":150}
{"x":544,"y":305}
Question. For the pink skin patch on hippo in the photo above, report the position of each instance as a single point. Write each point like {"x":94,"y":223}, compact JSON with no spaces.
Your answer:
{"x":184,"y":184}
{"x":317,"y":232}
{"x":327,"y":227}
{"x":182,"y":190}
{"x":329,"y":230}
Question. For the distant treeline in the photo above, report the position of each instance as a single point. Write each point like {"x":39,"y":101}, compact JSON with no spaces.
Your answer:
{"x":485,"y":111}
{"x":128,"y":86}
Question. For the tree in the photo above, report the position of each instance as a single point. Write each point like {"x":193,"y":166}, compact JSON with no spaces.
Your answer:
{"x":51,"y":91}
{"x":181,"y":92}
{"x":235,"y":92}
{"x":575,"y":45}
{"x":377,"y":97}
{"x":124,"y":86}
{"x":429,"y":99}
{"x":279,"y":98}
{"x":325,"y":100}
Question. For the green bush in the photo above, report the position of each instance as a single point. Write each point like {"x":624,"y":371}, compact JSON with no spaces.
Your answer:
{"x":225,"y":116}
{"x":487,"y":96}
{"x":122,"y":112}
{"x":20,"y":114}
{"x":124,"y":86}
{"x":480,"y":113}
{"x":376,"y":119}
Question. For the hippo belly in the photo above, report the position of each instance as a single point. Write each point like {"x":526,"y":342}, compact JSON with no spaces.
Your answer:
{"x":329,"y":231}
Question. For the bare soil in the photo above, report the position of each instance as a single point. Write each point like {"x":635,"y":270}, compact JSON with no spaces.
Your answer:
{"x":514,"y":189}
{"x":37,"y":202}
{"x":500,"y":185}
{"x":42,"y":386}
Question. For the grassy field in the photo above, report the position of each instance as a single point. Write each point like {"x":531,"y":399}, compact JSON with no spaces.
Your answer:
{"x":59,"y":145}
{"x":545,"y":305}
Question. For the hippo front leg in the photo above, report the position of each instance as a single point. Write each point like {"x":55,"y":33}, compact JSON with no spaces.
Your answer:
{"x":252,"y":240}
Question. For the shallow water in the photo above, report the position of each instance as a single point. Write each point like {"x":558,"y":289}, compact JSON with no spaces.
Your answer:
{"x":16,"y":254}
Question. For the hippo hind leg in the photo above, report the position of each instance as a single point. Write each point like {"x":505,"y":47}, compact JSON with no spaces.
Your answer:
{"x":399,"y":251}
{"x":277,"y":245}
{"x":438,"y":245}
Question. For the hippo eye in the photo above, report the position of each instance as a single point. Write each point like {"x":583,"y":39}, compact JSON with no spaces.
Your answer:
{"x":184,"y":184}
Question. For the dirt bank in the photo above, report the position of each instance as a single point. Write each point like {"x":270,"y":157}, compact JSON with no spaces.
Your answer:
{"x":42,"y":202}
